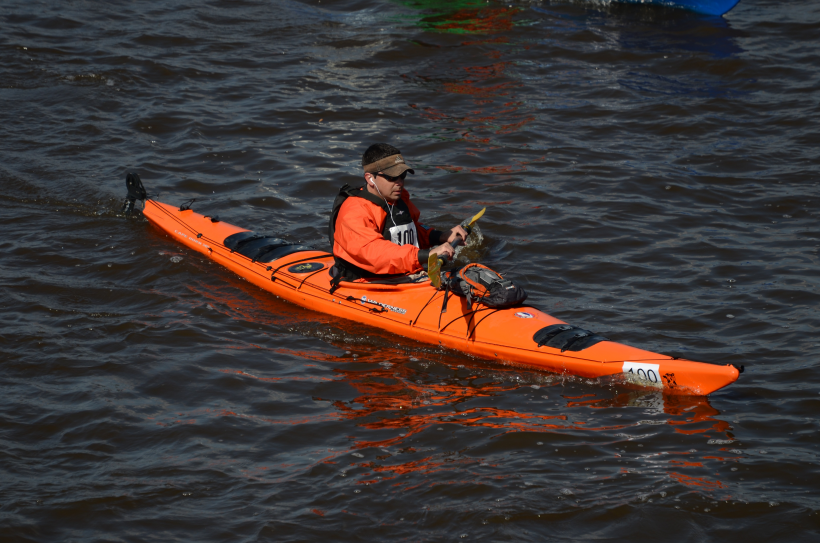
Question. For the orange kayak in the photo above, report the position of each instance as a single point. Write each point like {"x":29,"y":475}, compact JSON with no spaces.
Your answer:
{"x":520,"y":335}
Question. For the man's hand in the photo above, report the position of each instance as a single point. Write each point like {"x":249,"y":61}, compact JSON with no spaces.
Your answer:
{"x":445,"y":249}
{"x":457,"y":231}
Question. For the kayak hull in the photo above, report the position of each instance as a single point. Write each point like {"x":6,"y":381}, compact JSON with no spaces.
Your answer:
{"x":415,"y":311}
{"x":707,"y":7}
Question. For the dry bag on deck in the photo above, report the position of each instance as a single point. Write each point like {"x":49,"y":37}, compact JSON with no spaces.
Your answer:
{"x":480,"y":283}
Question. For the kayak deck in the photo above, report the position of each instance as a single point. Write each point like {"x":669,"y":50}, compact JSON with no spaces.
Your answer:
{"x":522,"y":335}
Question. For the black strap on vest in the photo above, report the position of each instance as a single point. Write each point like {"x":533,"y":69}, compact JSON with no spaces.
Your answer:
{"x":344,"y":270}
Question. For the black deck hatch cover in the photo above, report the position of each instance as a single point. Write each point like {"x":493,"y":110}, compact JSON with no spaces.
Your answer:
{"x":566,"y":337}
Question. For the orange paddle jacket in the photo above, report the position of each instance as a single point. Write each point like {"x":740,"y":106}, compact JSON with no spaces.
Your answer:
{"x":360,"y":237}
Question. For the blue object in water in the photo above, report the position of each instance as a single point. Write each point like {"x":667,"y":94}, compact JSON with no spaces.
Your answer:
{"x":709,"y":7}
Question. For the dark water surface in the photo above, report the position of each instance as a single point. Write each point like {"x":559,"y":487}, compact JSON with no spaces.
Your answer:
{"x":649,"y":174}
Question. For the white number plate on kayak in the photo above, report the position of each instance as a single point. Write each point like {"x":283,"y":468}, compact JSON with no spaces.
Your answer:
{"x":643,"y":374}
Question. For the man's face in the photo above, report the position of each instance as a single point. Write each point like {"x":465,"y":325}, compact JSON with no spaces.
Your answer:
{"x":389,"y":187}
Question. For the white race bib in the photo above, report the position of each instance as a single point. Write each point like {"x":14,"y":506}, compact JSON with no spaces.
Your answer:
{"x":404,"y":234}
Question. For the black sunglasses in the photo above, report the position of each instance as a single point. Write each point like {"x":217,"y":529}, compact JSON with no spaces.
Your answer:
{"x":393,"y":179}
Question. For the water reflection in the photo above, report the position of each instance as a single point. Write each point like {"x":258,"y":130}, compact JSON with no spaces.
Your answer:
{"x":410,"y":409}
{"x":692,"y":410}
{"x":436,"y":416}
{"x":409,"y":396}
{"x":713,"y":36}
{"x":464,"y":16}
{"x":494,"y":108}
{"x":654,"y":28}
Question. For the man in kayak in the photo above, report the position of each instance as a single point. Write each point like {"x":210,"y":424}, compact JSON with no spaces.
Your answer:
{"x":375,"y":230}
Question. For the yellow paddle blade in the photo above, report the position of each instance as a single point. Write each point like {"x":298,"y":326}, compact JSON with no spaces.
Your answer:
{"x":476,"y":217}
{"x":434,"y":270}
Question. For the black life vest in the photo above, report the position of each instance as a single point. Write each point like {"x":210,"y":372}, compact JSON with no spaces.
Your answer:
{"x":398,"y":228}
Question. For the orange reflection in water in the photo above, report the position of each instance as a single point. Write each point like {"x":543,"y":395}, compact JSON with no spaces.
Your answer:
{"x":700,"y":482}
{"x":391,"y":398}
{"x":475,"y":83}
{"x":697,"y":413}
{"x":470,"y":19}
{"x":399,"y":395}
{"x":693,"y":410}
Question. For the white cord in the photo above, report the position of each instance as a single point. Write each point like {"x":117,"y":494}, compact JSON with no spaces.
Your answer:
{"x":389,"y":206}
